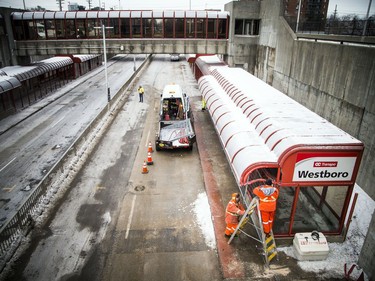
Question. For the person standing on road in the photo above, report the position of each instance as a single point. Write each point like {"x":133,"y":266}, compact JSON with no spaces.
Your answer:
{"x":232,"y":214}
{"x":267,"y":195}
{"x":141,"y":92}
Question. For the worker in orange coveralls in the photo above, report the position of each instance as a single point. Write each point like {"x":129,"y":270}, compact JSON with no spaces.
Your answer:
{"x":232,"y":214}
{"x":268,"y":195}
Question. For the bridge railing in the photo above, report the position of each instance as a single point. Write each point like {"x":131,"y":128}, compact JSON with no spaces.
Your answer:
{"x":354,"y":27}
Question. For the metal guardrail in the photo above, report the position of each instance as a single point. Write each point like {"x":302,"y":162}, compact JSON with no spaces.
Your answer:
{"x":21,"y":222}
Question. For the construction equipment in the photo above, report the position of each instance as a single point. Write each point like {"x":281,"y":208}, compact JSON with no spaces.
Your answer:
{"x":254,"y":219}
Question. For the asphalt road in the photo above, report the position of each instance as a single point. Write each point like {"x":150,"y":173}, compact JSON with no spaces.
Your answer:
{"x":30,"y":148}
{"x":115,"y":223}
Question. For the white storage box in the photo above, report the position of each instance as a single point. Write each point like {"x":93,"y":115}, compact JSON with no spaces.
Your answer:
{"x":310,"y":246}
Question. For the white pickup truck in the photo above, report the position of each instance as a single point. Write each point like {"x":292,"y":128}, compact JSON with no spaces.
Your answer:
{"x":176,"y":120}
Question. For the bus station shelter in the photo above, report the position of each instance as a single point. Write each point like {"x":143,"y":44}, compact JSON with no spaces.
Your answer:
{"x":266,"y":134}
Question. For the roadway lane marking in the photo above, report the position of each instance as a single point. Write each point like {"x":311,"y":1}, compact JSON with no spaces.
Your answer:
{"x":8,"y":164}
{"x":57,"y":122}
{"x":147,"y":139}
{"x":130,"y":217}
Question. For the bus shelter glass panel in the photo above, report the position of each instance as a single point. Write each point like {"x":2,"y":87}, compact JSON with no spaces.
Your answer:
{"x":50,"y":29}
{"x":70,"y":29}
{"x":319,"y":208}
{"x":179,"y":28}
{"x":190,"y":28}
{"x":211,"y":28}
{"x":284,"y":209}
{"x":222,"y":29}
{"x":147,"y":28}
{"x":19,"y":27}
{"x":91,"y":30}
{"x":125,"y":28}
{"x":30,"y":30}
{"x":41,"y":29}
{"x":60,"y":28}
{"x":136,"y":28}
{"x":168,"y":24}
{"x":81,"y":28}
{"x":201,"y":28}
{"x":114,"y":31}
{"x":158,"y":28}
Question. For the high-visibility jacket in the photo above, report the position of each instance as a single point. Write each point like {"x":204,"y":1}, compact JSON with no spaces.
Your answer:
{"x":233,"y":211}
{"x":141,"y":91}
{"x":267,"y":197}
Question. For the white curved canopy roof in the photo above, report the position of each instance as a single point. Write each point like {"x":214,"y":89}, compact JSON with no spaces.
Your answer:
{"x":260,"y":126}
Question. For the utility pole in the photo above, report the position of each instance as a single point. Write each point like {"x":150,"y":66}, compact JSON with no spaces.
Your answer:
{"x":60,"y":2}
{"x":368,"y":12}
{"x":335,"y":13}
{"x":108,"y":90}
{"x":299,"y":11}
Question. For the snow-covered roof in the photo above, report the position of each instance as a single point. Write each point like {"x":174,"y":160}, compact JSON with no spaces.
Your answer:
{"x":35,"y":69}
{"x":258,"y":125}
{"x":82,"y":58}
{"x":239,"y":139}
{"x":207,"y":63}
{"x":279,"y":120}
{"x":8,"y":83}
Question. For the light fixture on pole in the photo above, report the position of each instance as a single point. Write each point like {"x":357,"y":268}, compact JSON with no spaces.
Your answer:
{"x":105,"y":60}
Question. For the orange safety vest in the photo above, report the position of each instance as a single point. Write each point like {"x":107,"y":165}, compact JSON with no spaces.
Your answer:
{"x":267,"y":197}
{"x":233,"y":211}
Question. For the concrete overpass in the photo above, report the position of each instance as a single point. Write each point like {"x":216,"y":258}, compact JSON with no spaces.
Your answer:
{"x":116,"y":46}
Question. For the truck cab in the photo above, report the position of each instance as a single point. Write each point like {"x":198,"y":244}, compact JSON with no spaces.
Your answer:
{"x":175,"y":120}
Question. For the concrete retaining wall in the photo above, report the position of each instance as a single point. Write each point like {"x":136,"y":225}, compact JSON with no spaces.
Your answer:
{"x":337,"y":81}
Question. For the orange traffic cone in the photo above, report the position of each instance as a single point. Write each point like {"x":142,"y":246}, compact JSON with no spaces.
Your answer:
{"x":149,"y":159}
{"x":150,"y":147}
{"x":144,"y":168}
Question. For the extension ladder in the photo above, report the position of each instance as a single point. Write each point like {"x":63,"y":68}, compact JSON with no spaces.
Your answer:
{"x":269,"y":245}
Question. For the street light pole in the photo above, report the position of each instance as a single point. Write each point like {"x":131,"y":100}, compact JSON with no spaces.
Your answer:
{"x":105,"y":65}
{"x":299,"y":11}
{"x":108,"y":90}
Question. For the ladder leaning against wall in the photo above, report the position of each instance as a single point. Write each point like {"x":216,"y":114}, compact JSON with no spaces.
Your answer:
{"x":254,"y":219}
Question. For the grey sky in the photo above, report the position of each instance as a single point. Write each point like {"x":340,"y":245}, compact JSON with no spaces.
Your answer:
{"x":344,"y":7}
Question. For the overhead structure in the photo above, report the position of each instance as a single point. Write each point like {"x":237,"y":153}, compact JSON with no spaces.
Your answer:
{"x":266,"y":134}
{"x":57,"y":25}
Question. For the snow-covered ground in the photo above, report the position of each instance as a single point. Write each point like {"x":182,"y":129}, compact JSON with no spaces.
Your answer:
{"x":347,"y":252}
{"x":339,"y":253}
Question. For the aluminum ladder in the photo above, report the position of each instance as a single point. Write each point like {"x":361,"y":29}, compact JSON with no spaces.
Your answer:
{"x":269,"y":244}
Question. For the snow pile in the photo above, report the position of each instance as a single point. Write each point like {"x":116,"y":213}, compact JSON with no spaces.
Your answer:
{"x":347,"y":252}
{"x":202,"y":211}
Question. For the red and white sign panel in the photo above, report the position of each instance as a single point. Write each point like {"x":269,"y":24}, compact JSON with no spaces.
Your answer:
{"x":328,"y":167}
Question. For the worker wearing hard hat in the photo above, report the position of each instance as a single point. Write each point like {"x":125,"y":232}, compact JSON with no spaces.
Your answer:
{"x":232,"y":214}
{"x":268,"y":195}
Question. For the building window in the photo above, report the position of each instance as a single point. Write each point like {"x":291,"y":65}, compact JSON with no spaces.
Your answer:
{"x":246,"y":27}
